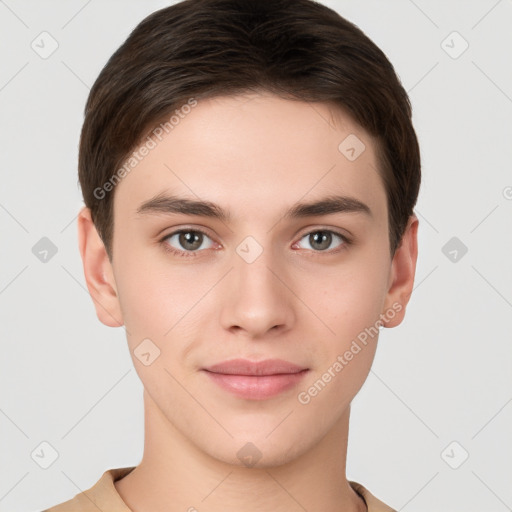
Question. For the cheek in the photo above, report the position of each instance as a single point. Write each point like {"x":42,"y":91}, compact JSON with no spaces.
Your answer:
{"x":147,"y":298}
{"x":349,"y":303}
{"x":159,"y":300}
{"x":348,"y":299}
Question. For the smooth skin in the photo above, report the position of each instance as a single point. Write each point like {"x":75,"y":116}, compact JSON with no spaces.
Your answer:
{"x":256,"y":156}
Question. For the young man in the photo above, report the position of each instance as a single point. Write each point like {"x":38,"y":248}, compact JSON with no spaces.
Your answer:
{"x":249,"y":171}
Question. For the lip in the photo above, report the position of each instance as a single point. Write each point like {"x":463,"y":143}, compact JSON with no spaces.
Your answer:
{"x":256,"y":380}
{"x":255,"y":368}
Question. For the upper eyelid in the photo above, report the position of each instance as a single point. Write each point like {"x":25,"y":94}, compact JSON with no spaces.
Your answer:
{"x":344,"y":237}
{"x":186,"y":230}
{"x":330,"y":230}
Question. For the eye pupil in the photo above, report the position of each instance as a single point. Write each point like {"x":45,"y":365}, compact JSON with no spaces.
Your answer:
{"x":194,"y":239}
{"x":320,"y":237}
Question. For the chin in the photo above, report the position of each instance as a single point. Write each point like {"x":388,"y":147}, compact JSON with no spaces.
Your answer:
{"x":258,"y":451}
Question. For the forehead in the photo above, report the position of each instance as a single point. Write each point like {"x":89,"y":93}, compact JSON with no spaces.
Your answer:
{"x":254,"y":152}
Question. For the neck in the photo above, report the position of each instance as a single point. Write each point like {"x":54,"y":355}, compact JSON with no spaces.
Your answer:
{"x":174,"y":475}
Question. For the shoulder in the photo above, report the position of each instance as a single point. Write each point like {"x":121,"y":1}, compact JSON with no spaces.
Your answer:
{"x":373,"y":503}
{"x":102,"y":495}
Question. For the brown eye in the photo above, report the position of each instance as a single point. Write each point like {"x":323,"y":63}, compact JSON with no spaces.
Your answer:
{"x":322,"y":240}
{"x":187,"y":240}
{"x":190,"y":240}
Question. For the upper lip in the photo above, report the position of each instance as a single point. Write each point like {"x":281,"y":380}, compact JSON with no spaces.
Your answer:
{"x":247,"y":367}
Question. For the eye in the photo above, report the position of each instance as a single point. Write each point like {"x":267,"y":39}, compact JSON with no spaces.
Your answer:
{"x":186,"y":241}
{"x":322,"y":239}
{"x":189,"y":242}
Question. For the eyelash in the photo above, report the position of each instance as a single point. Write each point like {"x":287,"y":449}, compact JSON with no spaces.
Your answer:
{"x":192,"y":254}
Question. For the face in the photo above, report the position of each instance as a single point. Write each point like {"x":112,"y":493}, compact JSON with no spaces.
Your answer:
{"x":269,"y":279}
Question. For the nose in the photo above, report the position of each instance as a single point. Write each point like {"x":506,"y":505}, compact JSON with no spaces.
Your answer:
{"x":256,"y":296}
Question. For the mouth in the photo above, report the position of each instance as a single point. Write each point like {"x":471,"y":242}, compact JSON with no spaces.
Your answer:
{"x":256,"y":380}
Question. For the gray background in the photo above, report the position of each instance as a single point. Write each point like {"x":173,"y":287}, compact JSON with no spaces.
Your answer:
{"x":443,"y":376}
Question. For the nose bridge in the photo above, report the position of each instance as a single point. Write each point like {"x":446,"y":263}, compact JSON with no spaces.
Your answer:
{"x":252,"y":267}
{"x":254,"y":271}
{"x":257,"y":300}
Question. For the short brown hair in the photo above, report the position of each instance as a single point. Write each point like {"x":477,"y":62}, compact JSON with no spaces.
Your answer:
{"x":298,"y":49}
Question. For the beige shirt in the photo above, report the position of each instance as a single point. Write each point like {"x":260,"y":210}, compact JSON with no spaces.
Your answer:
{"x":104,"y":496}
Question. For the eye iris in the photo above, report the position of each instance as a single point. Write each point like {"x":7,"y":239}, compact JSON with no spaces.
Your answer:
{"x":191,"y":237}
{"x":320,"y":237}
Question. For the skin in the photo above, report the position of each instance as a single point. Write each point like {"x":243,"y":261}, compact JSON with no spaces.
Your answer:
{"x":255,"y":155}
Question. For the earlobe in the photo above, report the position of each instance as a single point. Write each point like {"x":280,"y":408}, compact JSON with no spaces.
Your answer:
{"x":403,"y":270}
{"x":98,"y":271}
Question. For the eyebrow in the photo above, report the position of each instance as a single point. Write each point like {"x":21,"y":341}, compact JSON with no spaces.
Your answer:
{"x":326,"y":206}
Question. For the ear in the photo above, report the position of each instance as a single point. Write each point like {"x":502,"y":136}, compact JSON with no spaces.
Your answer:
{"x":98,"y":271}
{"x":401,"y":277}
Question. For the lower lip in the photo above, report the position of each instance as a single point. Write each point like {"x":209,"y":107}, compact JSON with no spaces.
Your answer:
{"x":257,"y":387}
